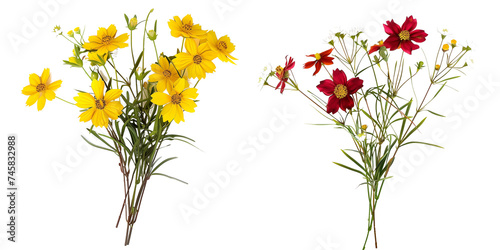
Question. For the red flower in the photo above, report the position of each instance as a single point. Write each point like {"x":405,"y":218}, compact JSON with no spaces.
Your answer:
{"x":403,"y":37}
{"x":376,"y":47}
{"x":321,"y":58}
{"x":282,"y":73}
{"x":340,"y":91}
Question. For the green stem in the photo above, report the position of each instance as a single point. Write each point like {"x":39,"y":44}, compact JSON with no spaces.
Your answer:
{"x":65,"y":100}
{"x":116,"y":72}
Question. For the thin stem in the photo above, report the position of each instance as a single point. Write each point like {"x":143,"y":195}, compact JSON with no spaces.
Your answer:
{"x":65,"y":100}
{"x":116,"y":72}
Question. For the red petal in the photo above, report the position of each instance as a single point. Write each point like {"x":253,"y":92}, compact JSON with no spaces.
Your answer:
{"x":353,"y":85}
{"x":327,"y":60}
{"x":339,"y":77}
{"x":418,"y":36}
{"x":392,"y":28}
{"x":318,"y":67}
{"x":311,"y":55}
{"x":333,"y":105}
{"x":346,"y":103}
{"x":392,"y":42}
{"x":408,"y":46}
{"x":309,"y":64}
{"x":410,"y":23}
{"x":326,"y":86}
{"x":326,"y":52}
{"x":374,"y":48}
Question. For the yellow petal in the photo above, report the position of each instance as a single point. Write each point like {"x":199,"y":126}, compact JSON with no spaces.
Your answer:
{"x":29,"y":90}
{"x":50,"y":94}
{"x":34,"y":79}
{"x":157,"y":68}
{"x":190,"y":93}
{"x":111,"y":113}
{"x":179,"y":114}
{"x":32,"y":99}
{"x":163,"y":62}
{"x":55,"y":85}
{"x":188,"y":105}
{"x":155,"y":77}
{"x":87,"y":115}
{"x":101,"y":32}
{"x":161,"y":85}
{"x":191,"y":46}
{"x":168,"y":112}
{"x":179,"y":85}
{"x":84,"y":100}
{"x":187,"y":20}
{"x":45,"y":76}
{"x":111,"y":30}
{"x":160,"y":98}
{"x":41,"y":102}
{"x":207,"y":66}
{"x":183,"y":60}
{"x":98,"y":88}
{"x":116,"y":106}
{"x":112,"y":94}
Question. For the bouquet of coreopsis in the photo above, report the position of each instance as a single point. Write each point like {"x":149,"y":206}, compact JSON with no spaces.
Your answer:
{"x":132,"y":108}
{"x":378,"y":100}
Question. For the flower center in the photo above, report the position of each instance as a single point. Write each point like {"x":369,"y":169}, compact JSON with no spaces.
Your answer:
{"x":187,"y":27}
{"x":279,"y":70}
{"x":318,"y":56}
{"x":100,"y":103}
{"x":197,"y":59}
{"x":222,"y":45}
{"x":106,"y":40}
{"x":381,"y":43}
{"x":340,"y":91}
{"x":404,"y":35}
{"x":176,"y":99}
{"x":40,"y":87}
{"x":167,"y":73}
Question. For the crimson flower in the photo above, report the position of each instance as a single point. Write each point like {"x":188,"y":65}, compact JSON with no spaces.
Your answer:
{"x":403,"y":37}
{"x":282,"y":73}
{"x":321,"y":58}
{"x":376,"y":47}
{"x":340,"y":91}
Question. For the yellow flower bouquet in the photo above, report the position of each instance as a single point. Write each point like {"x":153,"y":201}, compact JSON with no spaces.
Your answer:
{"x":131,"y":112}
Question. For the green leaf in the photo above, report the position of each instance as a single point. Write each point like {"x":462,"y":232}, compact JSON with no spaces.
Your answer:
{"x":173,"y":178}
{"x":349,"y":168}
{"x":424,"y":143}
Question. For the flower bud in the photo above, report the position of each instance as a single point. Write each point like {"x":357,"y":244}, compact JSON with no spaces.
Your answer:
{"x":71,"y":34}
{"x":437,"y":67}
{"x":94,"y":75}
{"x":446,"y":47}
{"x":132,"y":23}
{"x":453,"y":43}
{"x":77,"y":30}
{"x":364,"y":127}
{"x":152,"y":35}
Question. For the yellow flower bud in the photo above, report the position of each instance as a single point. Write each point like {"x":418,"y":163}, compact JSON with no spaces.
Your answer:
{"x":70,"y":33}
{"x":152,"y":35}
{"x":453,"y":43}
{"x":77,"y":30}
{"x":446,"y":47}
{"x":133,"y":23}
{"x":364,"y":127}
{"x":437,"y":67}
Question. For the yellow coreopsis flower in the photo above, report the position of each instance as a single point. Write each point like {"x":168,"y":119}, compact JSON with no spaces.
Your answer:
{"x":222,"y":46}
{"x":178,"y":100}
{"x":106,"y":41}
{"x":101,"y":107}
{"x":41,"y":89}
{"x":197,"y":60}
{"x":185,"y":28}
{"x":165,"y":74}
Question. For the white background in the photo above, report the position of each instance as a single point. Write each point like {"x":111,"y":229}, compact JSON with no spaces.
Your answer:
{"x":288,"y":195}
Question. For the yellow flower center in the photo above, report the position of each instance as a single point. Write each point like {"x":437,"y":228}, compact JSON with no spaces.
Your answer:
{"x":100,"y":103}
{"x":187,"y":27}
{"x":340,"y":91}
{"x":222,"y":45}
{"x":279,"y":70}
{"x":318,"y":56}
{"x":40,"y":87}
{"x":404,"y":35}
{"x":106,"y":40}
{"x":176,"y":99}
{"x":380,"y":42}
{"x":167,"y":73}
{"x":197,"y":59}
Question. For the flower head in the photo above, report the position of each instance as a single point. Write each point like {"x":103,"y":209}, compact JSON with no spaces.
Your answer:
{"x":41,"y":89}
{"x":283,"y":74}
{"x":403,"y":37}
{"x":321,"y":58}
{"x":164,"y":73}
{"x":446,"y":47}
{"x":437,"y":67}
{"x":185,"y":28}
{"x":197,"y":59}
{"x":376,"y":47}
{"x":340,"y":91}
{"x":178,"y":100}
{"x":453,"y":43}
{"x":106,"y":41}
{"x":100,"y":107}
{"x":223,"y":46}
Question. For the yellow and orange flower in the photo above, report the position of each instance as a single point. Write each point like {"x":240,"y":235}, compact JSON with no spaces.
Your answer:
{"x":106,"y":40}
{"x":222,"y":46}
{"x":101,"y":107}
{"x":178,"y":100}
{"x":165,"y":74}
{"x":41,"y":89}
{"x":185,"y":28}
{"x":197,"y":60}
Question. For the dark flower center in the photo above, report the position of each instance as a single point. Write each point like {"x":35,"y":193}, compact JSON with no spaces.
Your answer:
{"x":340,"y":91}
{"x":40,"y":87}
{"x":167,"y":73}
{"x":176,"y":99}
{"x":222,"y":45}
{"x":197,"y":59}
{"x":187,"y":27}
{"x":100,"y":103}
{"x":404,"y":35}
{"x":106,"y":40}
